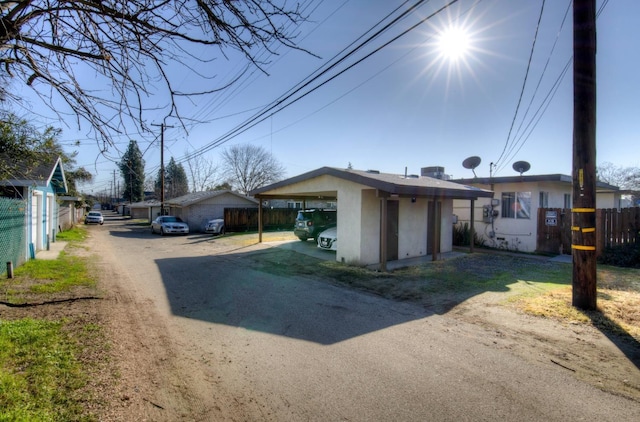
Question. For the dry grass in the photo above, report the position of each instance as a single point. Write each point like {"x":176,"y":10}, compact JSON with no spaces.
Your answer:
{"x":618,"y":302}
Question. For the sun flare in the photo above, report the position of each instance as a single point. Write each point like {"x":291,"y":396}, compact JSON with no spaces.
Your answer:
{"x":453,"y":43}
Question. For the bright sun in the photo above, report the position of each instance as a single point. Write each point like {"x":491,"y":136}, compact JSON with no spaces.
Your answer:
{"x":453,"y":43}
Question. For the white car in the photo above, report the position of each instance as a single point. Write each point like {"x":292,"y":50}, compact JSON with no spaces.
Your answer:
{"x":168,"y":224}
{"x":94,"y":217}
{"x":215,"y":226}
{"x":328,"y":239}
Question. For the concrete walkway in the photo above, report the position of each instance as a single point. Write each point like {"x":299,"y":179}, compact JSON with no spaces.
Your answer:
{"x":54,"y":251}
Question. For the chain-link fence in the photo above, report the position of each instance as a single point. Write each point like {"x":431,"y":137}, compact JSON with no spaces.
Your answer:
{"x":13,"y":233}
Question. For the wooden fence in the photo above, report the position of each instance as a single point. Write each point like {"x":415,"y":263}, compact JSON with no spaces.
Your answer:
{"x":246,"y":219}
{"x":613,"y":228}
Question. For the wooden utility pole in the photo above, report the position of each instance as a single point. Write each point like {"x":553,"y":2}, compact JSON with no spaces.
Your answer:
{"x":583,"y":226}
{"x":162,"y":126}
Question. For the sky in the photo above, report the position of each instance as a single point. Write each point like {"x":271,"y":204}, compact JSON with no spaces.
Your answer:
{"x":409,"y":105}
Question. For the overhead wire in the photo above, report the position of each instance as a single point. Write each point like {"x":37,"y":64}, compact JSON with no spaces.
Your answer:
{"x":286,"y":101}
{"x":498,"y":162}
{"x":536,"y":118}
{"x":520,"y":137}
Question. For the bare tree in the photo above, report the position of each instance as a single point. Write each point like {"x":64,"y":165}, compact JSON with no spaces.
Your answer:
{"x":203,"y":173}
{"x":249,"y":167}
{"x":626,"y":178}
{"x":140,"y":50}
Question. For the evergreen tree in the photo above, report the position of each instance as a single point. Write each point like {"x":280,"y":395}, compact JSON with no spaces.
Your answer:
{"x":132,"y":171}
{"x":175,"y":181}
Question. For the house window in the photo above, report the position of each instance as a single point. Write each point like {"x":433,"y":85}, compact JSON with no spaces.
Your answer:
{"x":516,"y":205}
{"x":544,"y":200}
{"x":294,"y":204}
{"x":567,"y":200}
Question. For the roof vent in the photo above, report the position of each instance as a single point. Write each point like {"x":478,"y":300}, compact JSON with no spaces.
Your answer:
{"x":413,"y":176}
{"x":373,"y":171}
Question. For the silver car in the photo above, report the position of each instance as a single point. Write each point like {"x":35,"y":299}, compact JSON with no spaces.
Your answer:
{"x":215,"y":226}
{"x":169,"y":224}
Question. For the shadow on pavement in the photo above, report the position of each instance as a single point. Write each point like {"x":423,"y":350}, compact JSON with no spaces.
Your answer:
{"x":225,"y":289}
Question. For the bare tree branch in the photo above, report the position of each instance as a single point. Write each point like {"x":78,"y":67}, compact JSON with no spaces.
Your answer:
{"x":139,"y":49}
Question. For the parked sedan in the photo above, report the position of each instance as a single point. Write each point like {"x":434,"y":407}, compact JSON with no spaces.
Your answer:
{"x":94,"y":217}
{"x":168,"y":224}
{"x":328,"y":239}
{"x":215,"y":226}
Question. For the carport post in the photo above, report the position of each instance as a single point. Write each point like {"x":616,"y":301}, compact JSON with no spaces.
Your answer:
{"x":259,"y":219}
{"x":472,"y":232}
{"x":383,"y":234}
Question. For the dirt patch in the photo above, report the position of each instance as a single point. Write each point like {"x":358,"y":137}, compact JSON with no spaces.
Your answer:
{"x":137,"y":373}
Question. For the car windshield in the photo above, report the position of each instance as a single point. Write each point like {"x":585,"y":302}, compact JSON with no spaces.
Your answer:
{"x":304,"y":215}
{"x":95,"y":214}
{"x":171,"y":220}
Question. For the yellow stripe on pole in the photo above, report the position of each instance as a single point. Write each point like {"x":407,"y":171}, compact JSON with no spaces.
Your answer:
{"x":575,"y":228}
{"x":583,"y":210}
{"x":589,"y":230}
{"x":583,"y":248}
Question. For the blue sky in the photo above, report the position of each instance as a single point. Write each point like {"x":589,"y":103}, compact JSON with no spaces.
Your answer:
{"x":406,"y":106}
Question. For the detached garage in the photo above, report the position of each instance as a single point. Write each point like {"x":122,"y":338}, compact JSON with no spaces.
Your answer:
{"x":381,"y":217}
{"x":199,"y":207}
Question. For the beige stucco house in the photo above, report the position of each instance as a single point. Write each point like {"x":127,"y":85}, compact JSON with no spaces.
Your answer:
{"x":509,"y":219}
{"x":381,"y":217}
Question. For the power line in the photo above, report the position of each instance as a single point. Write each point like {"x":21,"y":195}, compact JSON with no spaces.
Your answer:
{"x":286,"y":100}
{"x":524,"y":84}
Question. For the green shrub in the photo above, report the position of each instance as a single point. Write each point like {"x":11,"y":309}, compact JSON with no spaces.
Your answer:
{"x":622,"y":256}
{"x":462,"y":236}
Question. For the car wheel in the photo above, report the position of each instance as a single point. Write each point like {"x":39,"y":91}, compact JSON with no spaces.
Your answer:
{"x":102,"y":222}
{"x":221,"y":231}
{"x":161,"y":231}
{"x":303,"y":238}
{"x":152,"y":231}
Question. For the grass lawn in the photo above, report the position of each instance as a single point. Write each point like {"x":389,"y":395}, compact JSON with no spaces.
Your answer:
{"x":43,"y":373}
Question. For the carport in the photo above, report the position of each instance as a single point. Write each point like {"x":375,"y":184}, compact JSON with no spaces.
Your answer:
{"x":381,"y":217}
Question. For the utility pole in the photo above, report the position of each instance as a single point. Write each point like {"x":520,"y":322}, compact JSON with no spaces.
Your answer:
{"x":583,"y":227}
{"x":162,"y":126}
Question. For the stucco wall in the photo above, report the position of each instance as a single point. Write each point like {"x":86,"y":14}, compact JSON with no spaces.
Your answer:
{"x":520,"y":234}
{"x":369,"y":240}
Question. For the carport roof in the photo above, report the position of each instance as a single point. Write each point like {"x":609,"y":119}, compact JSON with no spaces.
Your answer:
{"x":386,"y":183}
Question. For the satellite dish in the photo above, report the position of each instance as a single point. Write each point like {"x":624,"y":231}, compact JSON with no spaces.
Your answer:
{"x":521,"y":167}
{"x":471,"y":163}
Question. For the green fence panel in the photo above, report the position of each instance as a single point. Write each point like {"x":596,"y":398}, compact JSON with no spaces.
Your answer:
{"x":13,"y":232}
